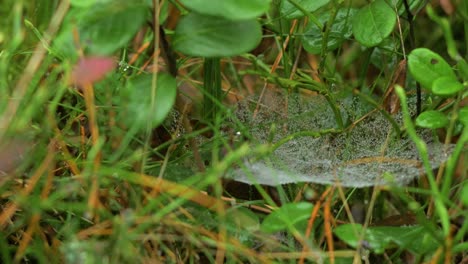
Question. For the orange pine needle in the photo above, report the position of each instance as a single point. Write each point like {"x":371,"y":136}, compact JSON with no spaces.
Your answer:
{"x":27,"y":237}
{"x":313,"y":216}
{"x":12,"y":207}
{"x":328,"y":218}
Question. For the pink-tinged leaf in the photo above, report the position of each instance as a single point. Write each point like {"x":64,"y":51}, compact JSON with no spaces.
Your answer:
{"x":447,"y":6}
{"x":89,"y":70}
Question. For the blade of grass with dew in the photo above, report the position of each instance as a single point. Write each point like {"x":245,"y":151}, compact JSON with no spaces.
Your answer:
{"x":422,"y":148}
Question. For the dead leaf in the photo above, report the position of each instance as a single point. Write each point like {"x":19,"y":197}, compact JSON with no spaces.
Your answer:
{"x":391,"y":101}
{"x":11,"y":154}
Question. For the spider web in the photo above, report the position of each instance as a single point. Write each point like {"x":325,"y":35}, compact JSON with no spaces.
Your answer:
{"x":368,"y":154}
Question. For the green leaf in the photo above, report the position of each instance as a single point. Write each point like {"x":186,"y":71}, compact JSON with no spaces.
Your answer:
{"x":87,"y":3}
{"x":289,"y":11}
{"x":373,"y":23}
{"x":412,"y":238}
{"x":462,"y":68}
{"x":349,"y":233}
{"x":141,"y":108}
{"x":111,"y":26}
{"x":286,"y":216}
{"x":464,"y":194}
{"x":463,"y":115}
{"x":163,"y":12}
{"x":242,"y":224}
{"x":339,"y":32}
{"x":63,"y":44}
{"x":446,"y":86}
{"x":209,"y":36}
{"x":432,"y":119}
{"x":243,"y":218}
{"x":378,"y":239}
{"x":427,"y":66}
{"x":229,"y":9}
{"x":460,"y":248}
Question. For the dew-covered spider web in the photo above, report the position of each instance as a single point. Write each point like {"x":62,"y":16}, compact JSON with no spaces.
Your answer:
{"x":369,"y":153}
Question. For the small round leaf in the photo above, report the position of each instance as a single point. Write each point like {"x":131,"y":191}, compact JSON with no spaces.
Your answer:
{"x":339,"y":32}
{"x":286,"y":216}
{"x":463,"y":115}
{"x":373,"y":23}
{"x":229,"y":9}
{"x":380,"y":238}
{"x":289,"y":11}
{"x":446,"y":86}
{"x":349,"y":233}
{"x":432,"y":119}
{"x":141,"y":109}
{"x":427,"y":66}
{"x":209,"y":36}
{"x":108,"y":27}
{"x":243,"y":219}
